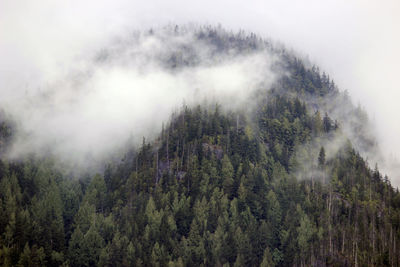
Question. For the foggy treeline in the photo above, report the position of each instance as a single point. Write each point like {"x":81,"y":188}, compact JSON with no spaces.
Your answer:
{"x":280,"y":178}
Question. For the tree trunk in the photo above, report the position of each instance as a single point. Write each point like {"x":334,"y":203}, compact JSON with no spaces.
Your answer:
{"x":167,"y":148}
{"x":343,"y":237}
{"x":237,"y":124}
{"x":156,"y":176}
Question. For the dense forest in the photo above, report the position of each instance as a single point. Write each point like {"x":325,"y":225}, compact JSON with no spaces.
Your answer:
{"x":217,"y":187}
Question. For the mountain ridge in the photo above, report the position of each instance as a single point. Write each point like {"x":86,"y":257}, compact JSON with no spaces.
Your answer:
{"x":276,"y":184}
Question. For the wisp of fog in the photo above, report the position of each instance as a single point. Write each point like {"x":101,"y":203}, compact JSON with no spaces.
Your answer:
{"x":127,"y":90}
{"x":47,"y":46}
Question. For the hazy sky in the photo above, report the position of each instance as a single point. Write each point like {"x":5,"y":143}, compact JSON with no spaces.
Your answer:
{"x":356,"y":42}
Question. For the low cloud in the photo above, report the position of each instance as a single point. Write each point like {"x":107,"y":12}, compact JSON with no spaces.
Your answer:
{"x":355,"y":42}
{"x":127,"y":90}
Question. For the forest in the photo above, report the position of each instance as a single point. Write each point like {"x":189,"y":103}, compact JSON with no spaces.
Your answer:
{"x":216,"y":187}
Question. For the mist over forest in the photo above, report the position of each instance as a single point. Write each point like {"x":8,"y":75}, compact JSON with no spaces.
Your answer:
{"x":45,"y":46}
{"x":151,"y":141}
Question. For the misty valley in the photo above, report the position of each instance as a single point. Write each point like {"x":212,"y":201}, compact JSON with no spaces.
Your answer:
{"x":194,"y":146}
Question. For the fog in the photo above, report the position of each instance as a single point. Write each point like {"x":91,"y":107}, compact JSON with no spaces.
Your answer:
{"x":44,"y":42}
{"x":125,"y":91}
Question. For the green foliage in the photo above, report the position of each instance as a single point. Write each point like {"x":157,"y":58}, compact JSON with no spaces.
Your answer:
{"x":214,"y":189}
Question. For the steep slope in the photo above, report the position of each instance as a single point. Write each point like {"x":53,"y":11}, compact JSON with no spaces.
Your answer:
{"x":279,"y":184}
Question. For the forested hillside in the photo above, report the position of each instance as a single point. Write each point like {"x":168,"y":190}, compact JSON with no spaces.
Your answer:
{"x":282,"y":183}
